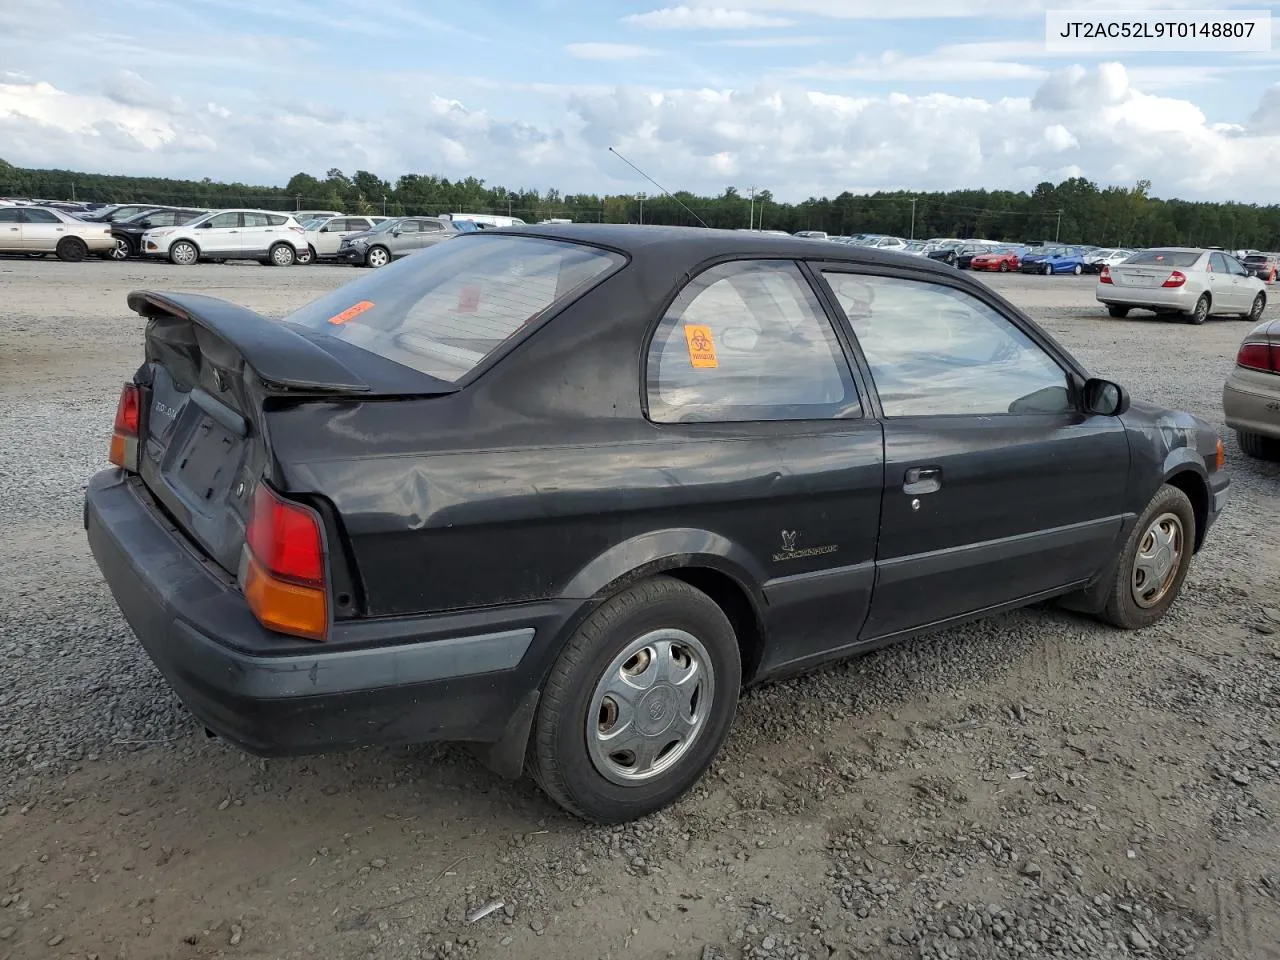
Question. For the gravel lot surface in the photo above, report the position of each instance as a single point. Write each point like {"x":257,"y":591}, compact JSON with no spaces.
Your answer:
{"x":1032,"y":785}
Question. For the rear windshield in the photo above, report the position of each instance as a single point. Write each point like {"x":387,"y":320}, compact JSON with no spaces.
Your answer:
{"x":1163,"y":258}
{"x":445,"y":309}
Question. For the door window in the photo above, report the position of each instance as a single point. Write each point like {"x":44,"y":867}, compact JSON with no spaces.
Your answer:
{"x":937,"y":351}
{"x":9,"y":216}
{"x":432,"y":226}
{"x":32,"y":215}
{"x":1217,"y":263}
{"x":1236,"y":268}
{"x":224,"y":220}
{"x":258,"y":220}
{"x":747,"y":341}
{"x":409,"y":226}
{"x":162,"y":218}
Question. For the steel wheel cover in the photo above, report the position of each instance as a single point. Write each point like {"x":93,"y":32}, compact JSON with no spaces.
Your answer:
{"x":1155,"y":565}
{"x":649,"y":706}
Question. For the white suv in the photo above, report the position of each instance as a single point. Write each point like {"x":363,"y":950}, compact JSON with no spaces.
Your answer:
{"x":269,"y":238}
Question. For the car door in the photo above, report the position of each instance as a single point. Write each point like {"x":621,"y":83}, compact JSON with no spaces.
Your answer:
{"x":749,"y":382}
{"x":1230,"y":276}
{"x":258,"y":232}
{"x":220,"y":235}
{"x":997,"y":489}
{"x":330,"y":236}
{"x":435,"y":231}
{"x":406,"y":237}
{"x":10,"y":230}
{"x":41,"y":230}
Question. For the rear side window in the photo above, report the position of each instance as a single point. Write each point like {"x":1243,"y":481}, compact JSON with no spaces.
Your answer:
{"x":442,"y":311}
{"x":39,"y":216}
{"x":275,"y":219}
{"x":1163,"y":258}
{"x":748,"y":341}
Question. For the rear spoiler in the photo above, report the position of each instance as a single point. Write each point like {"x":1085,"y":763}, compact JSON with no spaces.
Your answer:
{"x":277,"y":353}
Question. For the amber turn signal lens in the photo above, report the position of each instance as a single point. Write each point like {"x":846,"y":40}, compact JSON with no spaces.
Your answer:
{"x":287,"y":607}
{"x":1222,"y":455}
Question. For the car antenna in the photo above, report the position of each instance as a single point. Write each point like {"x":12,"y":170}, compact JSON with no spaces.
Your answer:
{"x":659,"y":186}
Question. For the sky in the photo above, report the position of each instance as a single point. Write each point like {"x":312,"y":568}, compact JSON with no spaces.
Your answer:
{"x":800,"y":97}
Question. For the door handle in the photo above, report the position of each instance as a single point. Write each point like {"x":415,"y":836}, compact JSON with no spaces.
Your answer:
{"x":920,"y":480}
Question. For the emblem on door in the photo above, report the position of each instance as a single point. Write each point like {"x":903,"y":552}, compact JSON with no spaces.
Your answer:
{"x":790,"y":551}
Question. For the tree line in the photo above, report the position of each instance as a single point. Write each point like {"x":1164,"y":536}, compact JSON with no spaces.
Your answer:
{"x":1073,"y":211}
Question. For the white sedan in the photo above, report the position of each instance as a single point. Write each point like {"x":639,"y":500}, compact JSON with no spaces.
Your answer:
{"x":1188,"y":281}
{"x":37,"y":231}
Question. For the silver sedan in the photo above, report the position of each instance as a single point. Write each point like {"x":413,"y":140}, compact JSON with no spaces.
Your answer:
{"x":1187,"y":281}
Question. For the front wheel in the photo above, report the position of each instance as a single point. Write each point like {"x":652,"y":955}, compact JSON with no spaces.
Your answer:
{"x":1048,"y":270}
{"x":638,"y":704}
{"x":1004,"y":266}
{"x":377,"y":257}
{"x":1200,"y":312}
{"x":71,"y":250}
{"x":1153,"y":563}
{"x":1255,"y":311}
{"x":307,"y":256}
{"x":123,"y":249}
{"x":183,"y":254}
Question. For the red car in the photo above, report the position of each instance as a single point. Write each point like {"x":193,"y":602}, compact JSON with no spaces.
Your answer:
{"x":1002,"y":259}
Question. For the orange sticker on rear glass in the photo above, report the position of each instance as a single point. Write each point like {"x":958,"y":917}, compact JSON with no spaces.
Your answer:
{"x":352,"y":312}
{"x":702,"y":349}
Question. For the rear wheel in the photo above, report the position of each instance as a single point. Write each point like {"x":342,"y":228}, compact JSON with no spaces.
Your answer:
{"x":1255,"y":311}
{"x":377,"y":257}
{"x":282,"y":255}
{"x":184,"y":253}
{"x":71,"y":250}
{"x":1153,"y":563}
{"x":1078,"y":270}
{"x":1117,"y":311}
{"x":1200,"y":312}
{"x":638,"y":704}
{"x":1256,"y":445}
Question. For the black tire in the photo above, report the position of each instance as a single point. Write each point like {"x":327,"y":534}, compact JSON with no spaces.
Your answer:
{"x":1122,"y":609}
{"x":282,"y":255}
{"x":184,"y":253}
{"x":1117,"y":311}
{"x":304,"y":258}
{"x":950,"y":260}
{"x":1256,"y":309}
{"x":1004,"y":266}
{"x":559,"y":758}
{"x":1258,"y":446}
{"x":1078,"y":270}
{"x":71,"y":250}
{"x":377,"y":257}
{"x":1048,"y":270}
{"x":1199,"y":313}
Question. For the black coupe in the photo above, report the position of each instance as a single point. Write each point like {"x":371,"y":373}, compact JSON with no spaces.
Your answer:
{"x":562,"y":491}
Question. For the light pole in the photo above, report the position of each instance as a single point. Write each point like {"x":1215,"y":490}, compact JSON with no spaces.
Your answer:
{"x":751,"y":220}
{"x":640,"y":197}
{"x":913,"y":218}
{"x":1057,"y":233}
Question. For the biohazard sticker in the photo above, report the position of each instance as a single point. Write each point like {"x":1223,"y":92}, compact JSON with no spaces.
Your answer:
{"x":352,"y":312}
{"x":702,"y":349}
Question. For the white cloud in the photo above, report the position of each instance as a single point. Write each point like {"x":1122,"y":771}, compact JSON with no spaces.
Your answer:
{"x":763,"y":43}
{"x":610,"y":51}
{"x":703,"y":18}
{"x":931,"y":10}
{"x":928,"y":68}
{"x":795,"y":141}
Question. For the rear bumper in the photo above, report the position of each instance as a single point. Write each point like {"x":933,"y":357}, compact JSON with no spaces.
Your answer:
{"x":459,"y":676}
{"x":1251,"y":403}
{"x":1177,"y":299}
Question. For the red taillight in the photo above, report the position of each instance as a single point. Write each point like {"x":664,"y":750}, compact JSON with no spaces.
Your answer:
{"x":124,"y":434}
{"x":1176,"y":279}
{"x":1106,"y":275}
{"x":286,"y":538}
{"x":1259,"y":356}
{"x":283,"y":570}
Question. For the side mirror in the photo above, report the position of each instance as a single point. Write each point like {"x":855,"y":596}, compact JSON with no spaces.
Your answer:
{"x":1103,"y":398}
{"x":145,"y":224}
{"x":206,"y":225}
{"x":396,"y":233}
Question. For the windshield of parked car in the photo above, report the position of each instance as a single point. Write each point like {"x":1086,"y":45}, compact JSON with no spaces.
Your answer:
{"x":1164,"y":258}
{"x":445,"y":309}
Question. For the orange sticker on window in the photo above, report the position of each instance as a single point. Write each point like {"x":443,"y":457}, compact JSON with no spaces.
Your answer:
{"x":352,"y":312}
{"x":702,"y":349}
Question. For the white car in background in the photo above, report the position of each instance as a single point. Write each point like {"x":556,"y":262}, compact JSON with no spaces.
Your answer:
{"x":324,"y":235}
{"x":302,"y":216}
{"x":270,"y":238}
{"x":1192,"y":282}
{"x":37,"y":231}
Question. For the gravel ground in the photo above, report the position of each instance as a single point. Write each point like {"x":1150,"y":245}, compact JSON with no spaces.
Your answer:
{"x":1032,"y":785}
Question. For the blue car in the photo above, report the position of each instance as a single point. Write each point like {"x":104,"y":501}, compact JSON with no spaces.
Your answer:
{"x":1049,"y":260}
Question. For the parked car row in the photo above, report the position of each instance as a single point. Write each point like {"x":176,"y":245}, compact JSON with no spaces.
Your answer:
{"x":186,"y":236}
